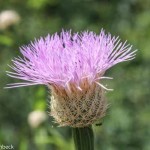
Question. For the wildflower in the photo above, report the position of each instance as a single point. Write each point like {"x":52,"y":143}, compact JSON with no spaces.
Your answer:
{"x":72,"y":66}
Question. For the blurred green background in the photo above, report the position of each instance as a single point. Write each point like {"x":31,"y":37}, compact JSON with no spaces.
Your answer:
{"x":127,"y":123}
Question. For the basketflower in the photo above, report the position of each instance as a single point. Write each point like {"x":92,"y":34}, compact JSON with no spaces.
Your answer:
{"x":72,"y":66}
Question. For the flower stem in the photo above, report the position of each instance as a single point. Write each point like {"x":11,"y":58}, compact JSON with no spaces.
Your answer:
{"x":83,"y":138}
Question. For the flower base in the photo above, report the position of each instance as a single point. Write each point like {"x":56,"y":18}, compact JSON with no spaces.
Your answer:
{"x":77,"y":108}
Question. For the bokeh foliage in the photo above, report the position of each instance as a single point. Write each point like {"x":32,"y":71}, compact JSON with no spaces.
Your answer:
{"x":126,"y":125}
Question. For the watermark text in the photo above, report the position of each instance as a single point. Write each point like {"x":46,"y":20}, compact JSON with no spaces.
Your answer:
{"x":6,"y":146}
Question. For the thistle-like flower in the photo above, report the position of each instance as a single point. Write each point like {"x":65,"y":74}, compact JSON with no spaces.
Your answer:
{"x":72,"y":65}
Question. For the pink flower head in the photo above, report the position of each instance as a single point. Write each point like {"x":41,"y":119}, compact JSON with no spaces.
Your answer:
{"x":68,"y":58}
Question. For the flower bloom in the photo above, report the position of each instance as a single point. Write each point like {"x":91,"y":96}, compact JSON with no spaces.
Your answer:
{"x":72,"y":66}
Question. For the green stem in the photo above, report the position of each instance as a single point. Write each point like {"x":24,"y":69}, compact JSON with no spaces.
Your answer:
{"x":83,"y":138}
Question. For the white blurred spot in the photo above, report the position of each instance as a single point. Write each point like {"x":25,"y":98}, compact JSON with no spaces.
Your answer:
{"x":8,"y":18}
{"x":35,"y":118}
